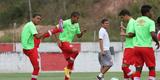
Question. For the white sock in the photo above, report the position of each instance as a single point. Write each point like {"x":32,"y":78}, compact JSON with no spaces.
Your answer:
{"x":126,"y":78}
{"x":100,"y":75}
{"x":130,"y":73}
{"x":136,"y":78}
{"x":34,"y":76}
{"x":151,"y":78}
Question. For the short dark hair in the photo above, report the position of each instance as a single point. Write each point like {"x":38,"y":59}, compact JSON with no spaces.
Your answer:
{"x":104,"y":20}
{"x":158,"y":19}
{"x":36,"y":14}
{"x":145,"y":9}
{"x":124,"y":12}
{"x":74,"y":14}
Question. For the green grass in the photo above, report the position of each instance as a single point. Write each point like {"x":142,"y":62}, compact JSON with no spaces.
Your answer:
{"x":59,"y":76}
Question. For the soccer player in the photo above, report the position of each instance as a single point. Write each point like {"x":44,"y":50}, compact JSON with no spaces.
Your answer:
{"x":144,"y":30}
{"x":104,"y":56}
{"x":71,"y":28}
{"x":30,"y":39}
{"x":158,"y":28}
{"x":128,"y":56}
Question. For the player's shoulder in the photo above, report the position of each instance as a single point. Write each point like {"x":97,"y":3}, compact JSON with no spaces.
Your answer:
{"x":29,"y":24}
{"x":152,"y":21}
{"x":67,"y":21}
{"x":131,"y":21}
{"x":102,"y":29}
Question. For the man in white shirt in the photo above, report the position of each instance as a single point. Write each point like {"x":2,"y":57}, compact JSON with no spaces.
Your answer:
{"x":104,"y":56}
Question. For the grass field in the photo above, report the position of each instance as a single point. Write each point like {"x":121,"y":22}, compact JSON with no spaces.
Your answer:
{"x":59,"y":76}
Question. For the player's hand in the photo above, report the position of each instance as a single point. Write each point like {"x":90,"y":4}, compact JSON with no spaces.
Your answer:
{"x":122,"y":33}
{"x":122,"y":27}
{"x":102,"y":53}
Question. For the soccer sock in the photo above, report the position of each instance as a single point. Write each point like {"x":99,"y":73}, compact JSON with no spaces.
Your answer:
{"x":70,"y":65}
{"x":126,"y":70}
{"x":35,"y":71}
{"x":56,"y":30}
{"x":152,"y":75}
{"x":34,"y":77}
{"x":151,"y":78}
{"x":137,"y":75}
{"x":74,"y":55}
{"x":126,"y":76}
{"x":136,"y":78}
{"x":46,"y":35}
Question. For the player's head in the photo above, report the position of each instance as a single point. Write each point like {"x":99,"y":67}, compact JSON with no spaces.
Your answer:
{"x":124,"y":14}
{"x":146,"y":11}
{"x":36,"y":18}
{"x":105,"y":23}
{"x":158,"y":20}
{"x":75,"y":17}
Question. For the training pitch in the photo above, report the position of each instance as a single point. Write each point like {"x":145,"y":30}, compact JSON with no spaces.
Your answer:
{"x":60,"y":75}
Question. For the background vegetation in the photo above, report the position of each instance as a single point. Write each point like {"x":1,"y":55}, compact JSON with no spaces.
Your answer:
{"x":92,"y":11}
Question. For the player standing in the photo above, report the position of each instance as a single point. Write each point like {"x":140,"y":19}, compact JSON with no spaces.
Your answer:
{"x":158,"y":28}
{"x":128,"y":56}
{"x":30,"y":39}
{"x":104,"y":56}
{"x":144,"y":30}
{"x":70,"y":29}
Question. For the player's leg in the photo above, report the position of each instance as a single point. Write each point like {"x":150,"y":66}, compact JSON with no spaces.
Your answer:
{"x":33,"y":56}
{"x":106,"y":63}
{"x":35,"y":63}
{"x":126,"y":70}
{"x":54,"y":30}
{"x":149,"y":58}
{"x":137,"y":75}
{"x":127,"y":61}
{"x":70,"y":54}
{"x":139,"y":61}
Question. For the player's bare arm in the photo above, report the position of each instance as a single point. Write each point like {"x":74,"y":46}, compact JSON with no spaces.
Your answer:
{"x":81,"y":34}
{"x":101,"y":46}
{"x":154,"y":37}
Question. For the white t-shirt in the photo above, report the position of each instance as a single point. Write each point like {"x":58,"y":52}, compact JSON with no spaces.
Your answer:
{"x":103,"y":34}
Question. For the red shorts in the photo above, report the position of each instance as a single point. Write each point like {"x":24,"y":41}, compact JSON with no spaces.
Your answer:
{"x":67,"y":48}
{"x":129,"y":56}
{"x":144,"y":55}
{"x":33,"y":56}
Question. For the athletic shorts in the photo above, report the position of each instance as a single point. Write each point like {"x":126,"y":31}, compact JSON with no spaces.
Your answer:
{"x":105,"y":60}
{"x":144,"y":55}
{"x":66,"y":48}
{"x":129,"y":56}
{"x":33,"y":56}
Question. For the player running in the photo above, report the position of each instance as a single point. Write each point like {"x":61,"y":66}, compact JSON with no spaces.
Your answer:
{"x":144,"y":30}
{"x":128,"y":56}
{"x":70,"y":29}
{"x":30,"y":39}
{"x":104,"y":56}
